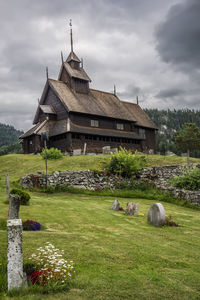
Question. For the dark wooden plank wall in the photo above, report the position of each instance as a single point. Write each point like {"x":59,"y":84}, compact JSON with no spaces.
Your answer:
{"x":85,"y":120}
{"x":96,"y":145}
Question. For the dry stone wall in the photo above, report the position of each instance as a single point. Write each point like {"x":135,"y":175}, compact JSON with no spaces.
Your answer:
{"x":94,"y":181}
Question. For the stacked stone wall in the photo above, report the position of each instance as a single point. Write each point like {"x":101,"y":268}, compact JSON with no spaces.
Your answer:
{"x":93,"y":181}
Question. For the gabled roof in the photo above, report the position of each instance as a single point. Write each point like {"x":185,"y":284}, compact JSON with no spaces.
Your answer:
{"x":96,"y":103}
{"x":34,"y":130}
{"x":73,"y":56}
{"x":76,"y":73}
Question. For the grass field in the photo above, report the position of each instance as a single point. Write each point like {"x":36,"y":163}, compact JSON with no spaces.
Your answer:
{"x":116,"y":256}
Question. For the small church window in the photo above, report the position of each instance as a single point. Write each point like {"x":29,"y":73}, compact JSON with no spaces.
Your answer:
{"x":94,"y":123}
{"x":120,"y":126}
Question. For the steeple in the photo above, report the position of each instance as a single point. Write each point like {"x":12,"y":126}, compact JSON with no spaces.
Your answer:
{"x":72,"y":72}
{"x":72,"y":59}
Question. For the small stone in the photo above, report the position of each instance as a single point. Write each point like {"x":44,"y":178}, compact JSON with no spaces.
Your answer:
{"x":115,"y":205}
{"x":132,"y":209}
{"x":156,"y":214}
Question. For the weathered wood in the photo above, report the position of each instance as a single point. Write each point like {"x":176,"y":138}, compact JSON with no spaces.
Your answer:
{"x":7,"y":185}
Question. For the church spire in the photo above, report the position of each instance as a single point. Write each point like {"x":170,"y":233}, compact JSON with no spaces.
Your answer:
{"x":72,"y":56}
{"x":71,"y":34}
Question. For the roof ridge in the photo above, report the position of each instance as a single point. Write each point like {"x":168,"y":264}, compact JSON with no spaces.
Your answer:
{"x":103,"y":92}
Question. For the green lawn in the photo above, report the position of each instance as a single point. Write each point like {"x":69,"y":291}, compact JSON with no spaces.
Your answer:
{"x":116,"y":256}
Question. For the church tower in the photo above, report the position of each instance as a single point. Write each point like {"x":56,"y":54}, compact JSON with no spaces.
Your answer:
{"x":72,"y":72}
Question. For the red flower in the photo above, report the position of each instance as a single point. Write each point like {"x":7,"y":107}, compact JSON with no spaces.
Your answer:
{"x":39,"y":277}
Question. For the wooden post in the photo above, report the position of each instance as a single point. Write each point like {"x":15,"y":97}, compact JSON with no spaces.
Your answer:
{"x":7,"y":186}
{"x":84,"y":149}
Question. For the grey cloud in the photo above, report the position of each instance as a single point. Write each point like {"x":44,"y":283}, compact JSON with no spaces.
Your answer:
{"x":178,"y":37}
{"x":170,"y":93}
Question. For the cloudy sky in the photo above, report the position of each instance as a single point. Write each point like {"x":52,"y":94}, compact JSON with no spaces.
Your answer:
{"x":149,"y":48}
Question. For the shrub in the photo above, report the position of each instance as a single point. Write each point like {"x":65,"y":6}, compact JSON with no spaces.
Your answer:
{"x":31,"y":225}
{"x":190,"y":181}
{"x":52,"y":153}
{"x":24,"y":196}
{"x":126,"y":164}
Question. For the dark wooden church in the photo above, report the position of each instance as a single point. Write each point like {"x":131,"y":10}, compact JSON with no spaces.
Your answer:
{"x":73,"y":114}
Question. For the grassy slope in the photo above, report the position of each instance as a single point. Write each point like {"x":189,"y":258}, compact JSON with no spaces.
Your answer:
{"x":116,"y":256}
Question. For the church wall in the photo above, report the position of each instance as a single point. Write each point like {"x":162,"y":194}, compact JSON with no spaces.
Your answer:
{"x":96,"y":145}
{"x":52,"y":99}
{"x":85,"y":120}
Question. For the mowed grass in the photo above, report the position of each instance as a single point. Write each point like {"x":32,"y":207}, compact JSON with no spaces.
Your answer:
{"x":116,"y":256}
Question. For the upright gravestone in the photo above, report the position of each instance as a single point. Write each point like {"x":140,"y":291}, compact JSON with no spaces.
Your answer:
{"x":156,"y":214}
{"x":115,"y":205}
{"x":132,"y":209}
{"x":14,"y":254}
{"x":14,"y":205}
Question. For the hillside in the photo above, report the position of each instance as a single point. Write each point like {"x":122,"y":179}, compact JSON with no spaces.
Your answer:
{"x":9,"y":139}
{"x":18,"y":165}
{"x":8,"y":134}
{"x":169,"y":122}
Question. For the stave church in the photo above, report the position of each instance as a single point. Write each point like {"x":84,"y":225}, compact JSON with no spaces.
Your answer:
{"x":74,"y":115}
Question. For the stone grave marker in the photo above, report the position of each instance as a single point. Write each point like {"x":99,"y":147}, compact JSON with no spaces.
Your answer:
{"x":106,"y":150}
{"x":76,"y":152}
{"x":14,"y":205}
{"x":132,"y":209}
{"x":156,"y":214}
{"x":115,"y":205}
{"x":14,"y":254}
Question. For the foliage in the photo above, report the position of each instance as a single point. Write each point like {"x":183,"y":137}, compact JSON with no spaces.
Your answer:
{"x":188,"y":138}
{"x":126,"y":164}
{"x":8,"y":134}
{"x":24,"y":196}
{"x":189,"y":181}
{"x":169,"y":123}
{"x":52,"y":153}
{"x":51,"y":267}
{"x":12,"y":148}
{"x":31,"y":225}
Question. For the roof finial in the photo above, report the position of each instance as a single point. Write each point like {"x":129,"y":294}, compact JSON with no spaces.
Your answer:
{"x":82,"y":63}
{"x":115,"y":90}
{"x":62,"y":57}
{"x":70,"y":24}
{"x":137,"y":100}
{"x":47,"y":72}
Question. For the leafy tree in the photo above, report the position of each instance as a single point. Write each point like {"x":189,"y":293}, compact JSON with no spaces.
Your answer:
{"x":188,"y":139}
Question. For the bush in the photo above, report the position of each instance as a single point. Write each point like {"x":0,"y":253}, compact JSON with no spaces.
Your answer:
{"x":52,"y":153}
{"x":24,"y":196}
{"x":190,"y":181}
{"x":126,"y":164}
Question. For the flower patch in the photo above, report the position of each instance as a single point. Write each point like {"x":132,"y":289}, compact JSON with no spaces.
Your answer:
{"x":51,"y":267}
{"x":31,"y":225}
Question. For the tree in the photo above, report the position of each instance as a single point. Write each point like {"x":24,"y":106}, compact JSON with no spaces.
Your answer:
{"x":188,"y":139}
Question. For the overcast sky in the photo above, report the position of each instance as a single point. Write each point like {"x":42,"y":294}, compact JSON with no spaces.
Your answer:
{"x":149,"y":48}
